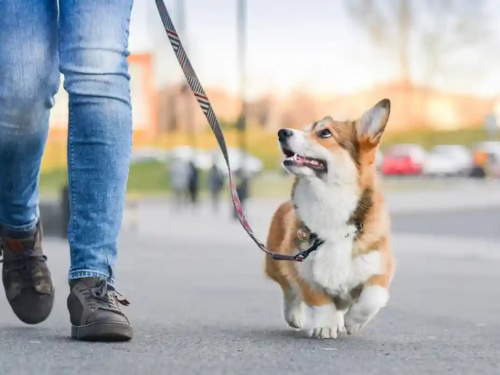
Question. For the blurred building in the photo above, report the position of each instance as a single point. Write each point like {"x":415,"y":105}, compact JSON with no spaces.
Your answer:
{"x":163,"y":110}
{"x":143,"y":87}
{"x":413,"y":107}
{"x":160,"y":106}
{"x":417,"y":107}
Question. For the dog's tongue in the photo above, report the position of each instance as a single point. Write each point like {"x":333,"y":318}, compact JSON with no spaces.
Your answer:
{"x":300,"y":159}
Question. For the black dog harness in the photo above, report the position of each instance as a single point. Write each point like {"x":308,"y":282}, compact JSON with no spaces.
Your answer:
{"x":304,"y":234}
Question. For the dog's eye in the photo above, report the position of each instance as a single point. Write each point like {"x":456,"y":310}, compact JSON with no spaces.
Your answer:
{"x":324,"y":133}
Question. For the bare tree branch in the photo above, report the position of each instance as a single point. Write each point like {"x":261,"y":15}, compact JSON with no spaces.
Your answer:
{"x":440,"y":29}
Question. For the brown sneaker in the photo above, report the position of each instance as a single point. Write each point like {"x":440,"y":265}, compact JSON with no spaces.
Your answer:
{"x":94,"y":311}
{"x":26,"y":277}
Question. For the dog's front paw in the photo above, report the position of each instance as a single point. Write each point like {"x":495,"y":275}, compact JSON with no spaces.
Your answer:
{"x":340,"y":321}
{"x":323,"y":333}
{"x":354,"y":322}
{"x":372,"y":299}
{"x":336,"y":327}
{"x":352,"y":328}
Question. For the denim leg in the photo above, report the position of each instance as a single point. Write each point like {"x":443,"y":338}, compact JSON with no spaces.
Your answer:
{"x":93,"y":58}
{"x":29,"y":79}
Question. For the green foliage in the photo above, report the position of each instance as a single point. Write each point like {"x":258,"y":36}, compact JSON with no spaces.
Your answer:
{"x":150,"y":177}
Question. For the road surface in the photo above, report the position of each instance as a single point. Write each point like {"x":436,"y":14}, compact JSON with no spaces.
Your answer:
{"x":200,"y":304}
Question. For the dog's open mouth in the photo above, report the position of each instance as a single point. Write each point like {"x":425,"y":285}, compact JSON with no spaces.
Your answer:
{"x":291,"y":158}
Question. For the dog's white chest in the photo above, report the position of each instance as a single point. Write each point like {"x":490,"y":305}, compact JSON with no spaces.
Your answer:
{"x":333,"y":269}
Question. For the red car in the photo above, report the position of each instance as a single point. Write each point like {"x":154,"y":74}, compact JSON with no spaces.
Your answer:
{"x":406,"y":159}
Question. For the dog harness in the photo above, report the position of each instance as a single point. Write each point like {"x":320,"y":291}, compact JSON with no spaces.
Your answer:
{"x":304,"y":234}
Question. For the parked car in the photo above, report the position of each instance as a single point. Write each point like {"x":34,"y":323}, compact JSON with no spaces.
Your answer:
{"x":448,"y":160}
{"x":403,"y":159}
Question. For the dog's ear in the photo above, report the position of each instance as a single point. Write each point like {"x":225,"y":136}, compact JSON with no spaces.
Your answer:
{"x":371,"y":125}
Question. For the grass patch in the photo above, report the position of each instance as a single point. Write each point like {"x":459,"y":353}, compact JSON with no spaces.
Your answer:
{"x":147,"y":178}
{"x":152,"y":178}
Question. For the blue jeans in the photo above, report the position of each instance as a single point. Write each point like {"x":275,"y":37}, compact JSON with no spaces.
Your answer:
{"x":87,"y":41}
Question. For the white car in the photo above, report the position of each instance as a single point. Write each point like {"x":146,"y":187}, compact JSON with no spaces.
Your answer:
{"x":448,"y":160}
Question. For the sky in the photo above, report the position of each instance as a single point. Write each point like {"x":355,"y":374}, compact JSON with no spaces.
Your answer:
{"x":293,"y":45}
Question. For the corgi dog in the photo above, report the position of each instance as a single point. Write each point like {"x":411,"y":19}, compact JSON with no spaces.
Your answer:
{"x":337,"y":211}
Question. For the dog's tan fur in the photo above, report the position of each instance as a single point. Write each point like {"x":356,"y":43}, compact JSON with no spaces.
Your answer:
{"x":375,"y":236}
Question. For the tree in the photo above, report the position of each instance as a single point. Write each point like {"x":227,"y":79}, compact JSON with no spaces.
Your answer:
{"x":435,"y":30}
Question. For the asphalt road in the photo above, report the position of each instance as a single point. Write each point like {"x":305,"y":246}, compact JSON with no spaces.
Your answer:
{"x":201,"y":305}
{"x":478,"y":223}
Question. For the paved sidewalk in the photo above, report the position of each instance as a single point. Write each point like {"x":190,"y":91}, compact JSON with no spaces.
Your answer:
{"x":200,"y":305}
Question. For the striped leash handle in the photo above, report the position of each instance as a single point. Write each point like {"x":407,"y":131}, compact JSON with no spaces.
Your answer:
{"x":207,"y":109}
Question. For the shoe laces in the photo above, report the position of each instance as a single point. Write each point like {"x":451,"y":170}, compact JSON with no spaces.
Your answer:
{"x":104,"y":296}
{"x":26,"y":263}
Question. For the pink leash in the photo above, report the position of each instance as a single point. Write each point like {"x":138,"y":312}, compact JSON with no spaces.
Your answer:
{"x":207,"y":109}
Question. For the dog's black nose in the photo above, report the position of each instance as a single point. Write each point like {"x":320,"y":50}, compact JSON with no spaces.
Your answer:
{"x":283,"y":134}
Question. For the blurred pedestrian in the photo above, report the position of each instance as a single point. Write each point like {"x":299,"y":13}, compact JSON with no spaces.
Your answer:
{"x":193,"y":184}
{"x":215,"y":184}
{"x":480,"y":165}
{"x":179,"y":180}
{"x":87,"y":42}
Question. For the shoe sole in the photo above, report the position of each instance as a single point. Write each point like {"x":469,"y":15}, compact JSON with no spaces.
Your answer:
{"x":102,"y":332}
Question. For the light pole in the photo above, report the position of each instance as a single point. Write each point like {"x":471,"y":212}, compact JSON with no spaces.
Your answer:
{"x":181,"y":16}
{"x":242,"y":121}
{"x":242,"y":14}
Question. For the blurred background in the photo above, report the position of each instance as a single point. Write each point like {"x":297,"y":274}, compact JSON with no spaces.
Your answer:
{"x":200,"y":301}
{"x":266,"y":65}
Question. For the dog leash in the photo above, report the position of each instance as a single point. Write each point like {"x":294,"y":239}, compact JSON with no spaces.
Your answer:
{"x":207,"y":109}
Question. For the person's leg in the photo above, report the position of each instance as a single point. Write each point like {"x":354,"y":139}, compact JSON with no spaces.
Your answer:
{"x":93,"y":54}
{"x":29,"y":79}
